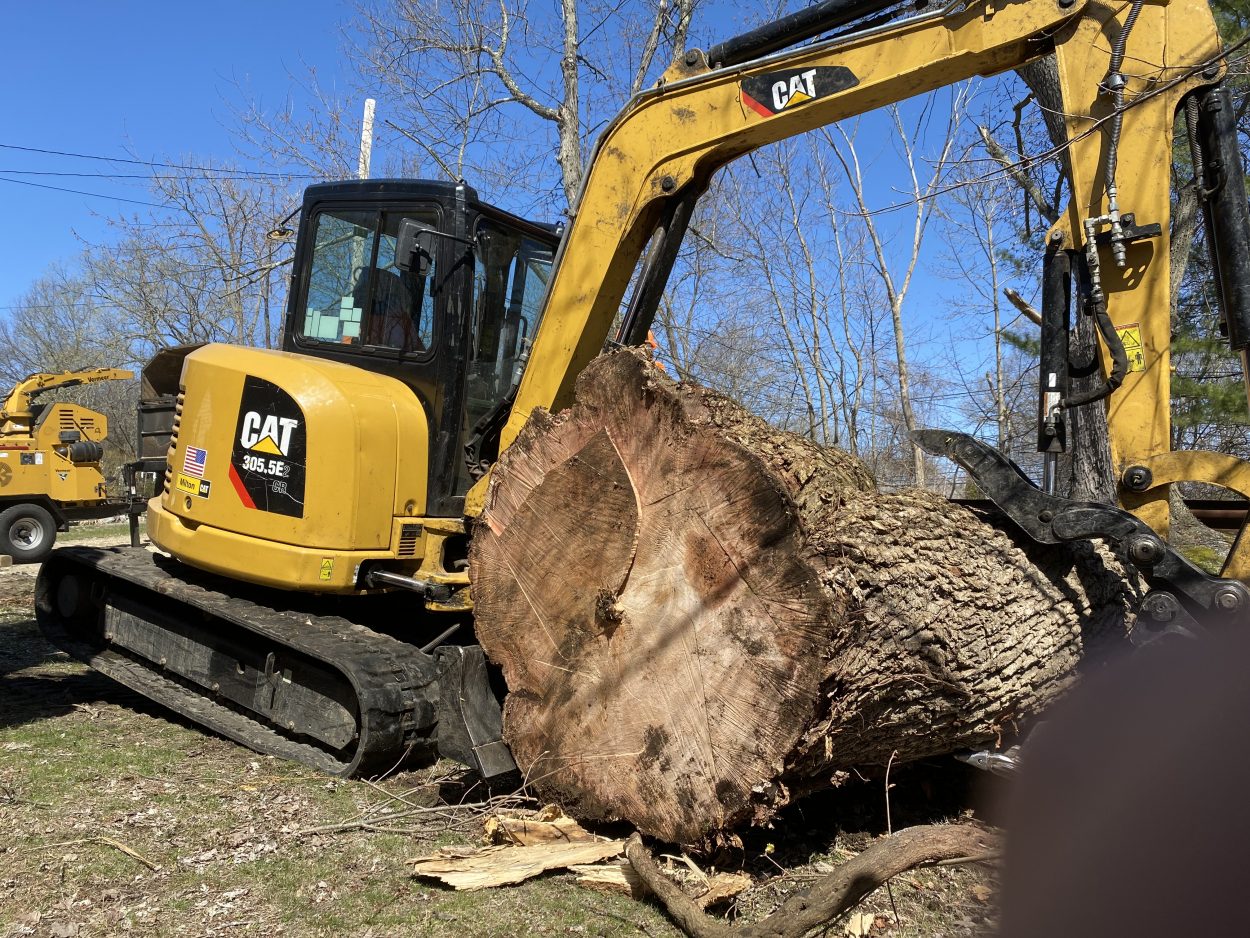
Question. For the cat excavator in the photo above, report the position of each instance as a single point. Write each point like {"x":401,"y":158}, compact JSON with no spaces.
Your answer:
{"x":312,"y":595}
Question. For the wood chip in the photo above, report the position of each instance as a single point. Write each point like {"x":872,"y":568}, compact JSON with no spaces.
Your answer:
{"x":502,"y":865}
{"x":722,"y":887}
{"x":859,"y":924}
{"x":551,"y":826}
{"x":618,"y":878}
{"x":688,"y":863}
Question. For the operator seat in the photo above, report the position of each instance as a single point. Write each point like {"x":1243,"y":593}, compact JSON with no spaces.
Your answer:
{"x":395,"y":320}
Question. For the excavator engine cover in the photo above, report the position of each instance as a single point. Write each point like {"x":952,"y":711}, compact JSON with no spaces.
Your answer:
{"x":288,"y":471}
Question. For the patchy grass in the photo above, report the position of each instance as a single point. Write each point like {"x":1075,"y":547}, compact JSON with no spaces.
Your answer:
{"x":114,"y":530}
{"x":120,"y":818}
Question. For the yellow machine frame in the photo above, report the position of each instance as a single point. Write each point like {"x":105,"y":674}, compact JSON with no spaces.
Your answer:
{"x":35,"y":458}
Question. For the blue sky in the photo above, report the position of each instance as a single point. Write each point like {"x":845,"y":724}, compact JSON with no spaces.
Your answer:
{"x":153,"y":81}
{"x":120,"y":78}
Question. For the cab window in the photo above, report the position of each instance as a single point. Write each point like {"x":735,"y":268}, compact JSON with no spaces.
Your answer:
{"x":356,"y":294}
{"x":510,"y":276}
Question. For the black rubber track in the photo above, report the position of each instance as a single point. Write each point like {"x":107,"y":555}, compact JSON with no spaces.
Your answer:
{"x":394,"y":685}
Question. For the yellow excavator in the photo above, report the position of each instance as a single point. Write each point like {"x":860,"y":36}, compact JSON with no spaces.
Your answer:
{"x":314,"y":601}
{"x":50,"y":463}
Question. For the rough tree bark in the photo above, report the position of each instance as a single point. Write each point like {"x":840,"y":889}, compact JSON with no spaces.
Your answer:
{"x":700,"y":617}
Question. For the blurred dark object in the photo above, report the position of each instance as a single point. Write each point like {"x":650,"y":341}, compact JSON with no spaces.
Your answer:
{"x":1130,"y":814}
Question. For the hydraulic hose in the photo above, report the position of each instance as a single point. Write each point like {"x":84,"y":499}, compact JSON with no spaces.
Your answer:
{"x":1119,"y":363}
{"x":1098,"y":305}
{"x":1116,"y":83}
{"x":1195,"y":144}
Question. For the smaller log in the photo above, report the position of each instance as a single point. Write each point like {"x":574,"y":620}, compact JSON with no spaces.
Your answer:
{"x":503,"y":865}
{"x":618,"y":878}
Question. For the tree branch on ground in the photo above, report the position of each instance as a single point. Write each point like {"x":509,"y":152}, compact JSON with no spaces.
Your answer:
{"x":835,"y":894}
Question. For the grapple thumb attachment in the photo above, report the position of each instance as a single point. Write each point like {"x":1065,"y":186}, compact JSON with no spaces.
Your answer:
{"x":1181,"y":598}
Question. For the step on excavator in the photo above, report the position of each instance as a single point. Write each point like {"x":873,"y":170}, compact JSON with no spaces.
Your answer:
{"x":312,"y":598}
{"x":50,"y":456}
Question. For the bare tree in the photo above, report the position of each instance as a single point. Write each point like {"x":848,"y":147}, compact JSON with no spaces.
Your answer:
{"x":202,"y":269}
{"x":318,"y":140}
{"x":896,"y":276}
{"x":59,"y":324}
{"x":465,"y":76}
{"x":730,"y":353}
{"x":980,"y":213}
{"x":797,"y":258}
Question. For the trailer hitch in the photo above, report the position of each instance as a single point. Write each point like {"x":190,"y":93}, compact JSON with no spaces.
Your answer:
{"x":1181,"y":599}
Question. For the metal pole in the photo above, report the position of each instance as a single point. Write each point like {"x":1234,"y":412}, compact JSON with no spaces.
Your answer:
{"x":366,"y":140}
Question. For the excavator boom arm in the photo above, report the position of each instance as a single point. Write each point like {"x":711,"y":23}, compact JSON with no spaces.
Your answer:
{"x":668,"y":142}
{"x":657,"y":157}
{"x":1124,"y":71}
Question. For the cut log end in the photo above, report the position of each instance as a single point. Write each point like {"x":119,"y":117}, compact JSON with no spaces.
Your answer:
{"x":697,"y":614}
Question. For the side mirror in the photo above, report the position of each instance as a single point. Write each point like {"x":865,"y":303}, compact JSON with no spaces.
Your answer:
{"x":414,"y":249}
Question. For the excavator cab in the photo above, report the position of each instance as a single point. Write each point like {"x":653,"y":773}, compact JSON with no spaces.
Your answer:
{"x":425,"y":283}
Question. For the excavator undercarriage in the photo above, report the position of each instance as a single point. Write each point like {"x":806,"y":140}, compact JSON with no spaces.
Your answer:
{"x":318,"y":689}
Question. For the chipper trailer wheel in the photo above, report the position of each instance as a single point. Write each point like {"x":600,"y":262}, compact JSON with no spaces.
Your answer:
{"x":27,"y":533}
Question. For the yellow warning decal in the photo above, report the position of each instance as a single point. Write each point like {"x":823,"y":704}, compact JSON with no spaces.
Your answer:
{"x":1130,"y":337}
{"x":327,"y":568}
{"x":192,"y":486}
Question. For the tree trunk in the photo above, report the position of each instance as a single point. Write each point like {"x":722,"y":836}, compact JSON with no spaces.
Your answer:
{"x":700,"y":617}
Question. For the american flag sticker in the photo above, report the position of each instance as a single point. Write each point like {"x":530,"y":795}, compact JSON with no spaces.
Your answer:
{"x":193,"y":462}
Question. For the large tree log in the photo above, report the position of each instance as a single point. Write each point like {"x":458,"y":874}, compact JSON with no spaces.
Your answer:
{"x":699,"y":616}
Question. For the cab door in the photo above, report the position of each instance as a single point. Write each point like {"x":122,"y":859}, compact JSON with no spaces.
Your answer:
{"x":355,"y":305}
{"x":511,"y":268}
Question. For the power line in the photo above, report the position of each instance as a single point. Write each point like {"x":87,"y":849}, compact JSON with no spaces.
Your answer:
{"x":94,"y":195}
{"x":243,"y":174}
{"x":133,"y":162}
{"x":40,"y":172}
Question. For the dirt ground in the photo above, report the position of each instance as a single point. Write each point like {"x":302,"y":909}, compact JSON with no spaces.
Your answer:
{"x":123,"y":819}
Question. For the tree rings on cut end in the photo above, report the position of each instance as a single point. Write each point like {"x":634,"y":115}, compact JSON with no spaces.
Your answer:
{"x":639,"y":578}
